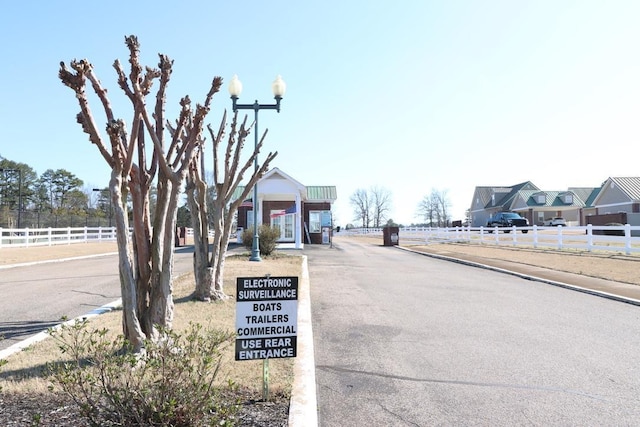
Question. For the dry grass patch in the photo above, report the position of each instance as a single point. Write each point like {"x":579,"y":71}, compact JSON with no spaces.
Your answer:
{"x":19,"y":255}
{"x":25,"y":372}
{"x":599,"y":264}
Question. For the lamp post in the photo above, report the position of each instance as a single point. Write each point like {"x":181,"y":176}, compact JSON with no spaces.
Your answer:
{"x":235,"y":88}
{"x":19,"y":189}
{"x":101,"y":190}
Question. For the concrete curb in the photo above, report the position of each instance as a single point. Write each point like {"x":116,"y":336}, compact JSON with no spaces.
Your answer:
{"x":303,"y":407}
{"x":528,"y":277}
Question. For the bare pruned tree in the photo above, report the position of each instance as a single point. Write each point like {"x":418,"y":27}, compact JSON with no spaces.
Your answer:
{"x":146,"y":255}
{"x":372,"y":206}
{"x":381,"y":204}
{"x":361,"y":205}
{"x":209,"y":266}
{"x":434,"y":208}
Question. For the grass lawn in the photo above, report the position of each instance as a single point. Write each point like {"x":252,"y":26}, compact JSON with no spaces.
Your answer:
{"x":25,"y":371}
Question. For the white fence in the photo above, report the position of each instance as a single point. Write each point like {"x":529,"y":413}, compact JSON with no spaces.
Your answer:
{"x":54,"y":236}
{"x":589,"y":238}
{"x":624,"y":239}
{"x":21,"y":237}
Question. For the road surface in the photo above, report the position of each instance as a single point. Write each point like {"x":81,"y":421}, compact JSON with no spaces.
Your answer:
{"x":406,"y":340}
{"x":36,"y":297}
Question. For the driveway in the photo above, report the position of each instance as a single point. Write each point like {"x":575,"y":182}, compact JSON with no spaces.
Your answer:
{"x":404,"y":339}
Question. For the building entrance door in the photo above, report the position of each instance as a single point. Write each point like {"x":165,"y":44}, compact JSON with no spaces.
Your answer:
{"x":285,"y":222}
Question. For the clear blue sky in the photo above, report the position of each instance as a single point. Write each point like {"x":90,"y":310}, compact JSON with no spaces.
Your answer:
{"x":407,"y":95}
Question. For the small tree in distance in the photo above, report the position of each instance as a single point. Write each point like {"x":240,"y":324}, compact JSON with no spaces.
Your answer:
{"x":372,"y":206}
{"x":381,"y":201}
{"x":434,"y":209}
{"x":361,"y":207}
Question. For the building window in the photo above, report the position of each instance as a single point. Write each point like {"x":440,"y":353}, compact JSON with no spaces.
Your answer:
{"x":250,"y":219}
{"x":314,"y":221}
{"x":541,"y":198}
{"x":568,"y":198}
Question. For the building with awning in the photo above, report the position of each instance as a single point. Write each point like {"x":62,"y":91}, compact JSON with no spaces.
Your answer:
{"x":302,"y":213}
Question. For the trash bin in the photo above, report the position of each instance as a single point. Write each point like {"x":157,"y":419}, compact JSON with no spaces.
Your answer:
{"x":239,"y":232}
{"x":390,"y":235}
{"x":181,"y":236}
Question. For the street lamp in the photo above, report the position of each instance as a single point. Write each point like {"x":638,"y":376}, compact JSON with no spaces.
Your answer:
{"x":102,"y":190}
{"x":235,"y":88}
{"x":19,"y":189}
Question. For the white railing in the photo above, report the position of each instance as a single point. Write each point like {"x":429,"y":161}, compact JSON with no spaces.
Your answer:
{"x":16,"y":237}
{"x":21,"y":237}
{"x":625,"y":238}
{"x":190,"y":233}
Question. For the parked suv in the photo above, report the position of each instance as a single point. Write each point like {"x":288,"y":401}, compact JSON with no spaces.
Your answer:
{"x":507,"y":219}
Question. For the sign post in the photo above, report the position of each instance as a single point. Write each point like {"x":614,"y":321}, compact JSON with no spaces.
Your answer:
{"x":266,"y":320}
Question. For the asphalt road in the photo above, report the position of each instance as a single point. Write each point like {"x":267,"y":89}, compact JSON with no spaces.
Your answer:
{"x":34,"y":298}
{"x":402,"y":339}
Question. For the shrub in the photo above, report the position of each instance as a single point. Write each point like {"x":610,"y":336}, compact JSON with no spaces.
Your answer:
{"x":247,"y":237}
{"x":170,"y":383}
{"x":268,"y":237}
{"x":2,"y":363}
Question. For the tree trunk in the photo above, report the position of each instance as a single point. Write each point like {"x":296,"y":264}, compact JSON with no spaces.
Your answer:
{"x":202,"y":274}
{"x":218,"y":253}
{"x":130,"y":324}
{"x":160,"y":299}
{"x":207,"y":269}
{"x":141,"y":248}
{"x":196,"y":199}
{"x":218,"y":285}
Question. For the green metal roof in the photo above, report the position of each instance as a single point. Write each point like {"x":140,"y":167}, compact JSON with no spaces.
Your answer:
{"x":322,"y":192}
{"x":551,"y":199}
{"x":586,"y":194}
{"x":314,"y":193}
{"x":238,"y":192}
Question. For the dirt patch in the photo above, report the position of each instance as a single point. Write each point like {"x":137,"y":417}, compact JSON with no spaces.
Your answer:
{"x":616,"y":267}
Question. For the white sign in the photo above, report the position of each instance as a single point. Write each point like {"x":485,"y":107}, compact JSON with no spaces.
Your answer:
{"x":266,"y":317}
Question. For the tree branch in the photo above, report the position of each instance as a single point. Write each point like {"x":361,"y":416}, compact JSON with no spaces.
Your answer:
{"x":77,"y":82}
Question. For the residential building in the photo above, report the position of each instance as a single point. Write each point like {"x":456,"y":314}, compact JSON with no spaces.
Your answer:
{"x":621,"y":194}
